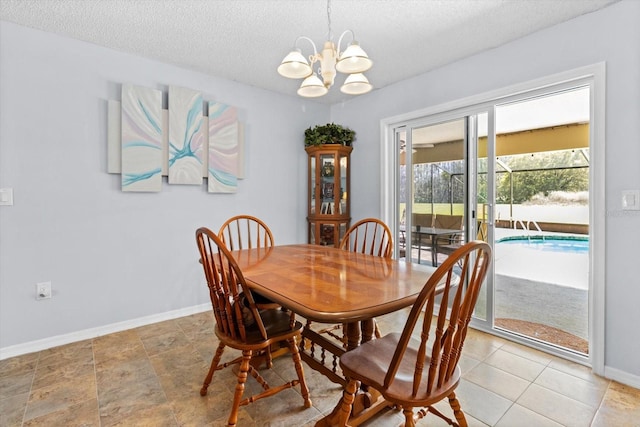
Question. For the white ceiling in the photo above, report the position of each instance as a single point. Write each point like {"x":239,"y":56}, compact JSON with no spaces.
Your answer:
{"x":245,"y":40}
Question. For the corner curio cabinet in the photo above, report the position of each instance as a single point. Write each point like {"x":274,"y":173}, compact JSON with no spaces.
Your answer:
{"x":328,"y":193}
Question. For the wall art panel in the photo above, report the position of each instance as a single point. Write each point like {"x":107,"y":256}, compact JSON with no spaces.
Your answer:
{"x":114,"y":137}
{"x":141,"y":138}
{"x":223,"y":148}
{"x":185,"y":136}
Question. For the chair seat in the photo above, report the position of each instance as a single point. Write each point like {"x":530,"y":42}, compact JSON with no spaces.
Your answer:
{"x":369,"y":363}
{"x":276,"y":322}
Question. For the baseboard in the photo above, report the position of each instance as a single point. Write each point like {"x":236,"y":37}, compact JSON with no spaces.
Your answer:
{"x":43,"y":344}
{"x":622,"y":377}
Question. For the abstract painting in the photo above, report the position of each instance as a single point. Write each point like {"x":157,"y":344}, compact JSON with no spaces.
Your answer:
{"x":186,"y":141}
{"x":223,"y":148}
{"x":141,"y":138}
{"x":114,"y":137}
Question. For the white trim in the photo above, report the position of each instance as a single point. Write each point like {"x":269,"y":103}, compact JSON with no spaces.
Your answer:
{"x":597,"y":221}
{"x":592,"y":75}
{"x":622,"y":377}
{"x":43,"y":344}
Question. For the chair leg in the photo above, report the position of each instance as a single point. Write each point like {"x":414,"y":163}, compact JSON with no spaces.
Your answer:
{"x":457,"y":411}
{"x":341,"y":413}
{"x":377,"y":329}
{"x":242,"y":379}
{"x":212,"y":369}
{"x":297,"y":362}
{"x":409,"y":420}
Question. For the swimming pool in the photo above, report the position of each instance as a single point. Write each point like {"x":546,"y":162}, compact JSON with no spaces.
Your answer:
{"x":564,"y":244}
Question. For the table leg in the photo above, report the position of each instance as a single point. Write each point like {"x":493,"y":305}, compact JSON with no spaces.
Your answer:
{"x":364,"y":402}
{"x":368,"y":329}
{"x":434,"y":251}
{"x":353,"y":335}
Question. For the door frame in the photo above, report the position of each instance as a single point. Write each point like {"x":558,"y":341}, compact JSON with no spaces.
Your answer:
{"x":593,"y":76}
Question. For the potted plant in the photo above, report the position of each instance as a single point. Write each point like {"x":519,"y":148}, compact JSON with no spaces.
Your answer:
{"x":330,"y":133}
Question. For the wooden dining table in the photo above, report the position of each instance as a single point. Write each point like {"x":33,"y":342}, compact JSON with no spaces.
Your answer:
{"x":328,"y":285}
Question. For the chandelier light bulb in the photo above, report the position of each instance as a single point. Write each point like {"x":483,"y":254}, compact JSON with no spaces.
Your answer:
{"x":354,"y":60}
{"x":312,"y":87}
{"x":356,"y":84}
{"x":295,"y":66}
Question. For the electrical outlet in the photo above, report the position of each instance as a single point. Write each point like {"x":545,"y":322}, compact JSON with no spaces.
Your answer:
{"x":43,"y":290}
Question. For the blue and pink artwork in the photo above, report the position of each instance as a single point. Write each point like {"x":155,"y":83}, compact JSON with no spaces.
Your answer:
{"x":223,"y":148}
{"x":141,"y":138}
{"x":186,"y":141}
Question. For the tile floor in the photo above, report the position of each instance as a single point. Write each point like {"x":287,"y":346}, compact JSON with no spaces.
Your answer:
{"x":151,"y":376}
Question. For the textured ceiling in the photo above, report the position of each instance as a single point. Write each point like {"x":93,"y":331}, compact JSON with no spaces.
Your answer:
{"x":245,"y":40}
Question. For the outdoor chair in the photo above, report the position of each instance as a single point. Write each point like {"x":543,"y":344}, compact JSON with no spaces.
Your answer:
{"x":447,"y":244}
{"x":417,"y":370}
{"x":241,"y":326}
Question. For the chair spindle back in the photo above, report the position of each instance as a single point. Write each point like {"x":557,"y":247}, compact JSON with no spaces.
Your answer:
{"x":227,"y":288}
{"x":245,"y":232}
{"x":368,"y":236}
{"x":457,"y":301}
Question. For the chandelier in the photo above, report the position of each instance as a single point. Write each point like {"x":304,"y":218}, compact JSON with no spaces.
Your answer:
{"x":353,"y":61}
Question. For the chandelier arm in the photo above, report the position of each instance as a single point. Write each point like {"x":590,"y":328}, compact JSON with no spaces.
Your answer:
{"x":353,"y":37}
{"x":312,"y":58}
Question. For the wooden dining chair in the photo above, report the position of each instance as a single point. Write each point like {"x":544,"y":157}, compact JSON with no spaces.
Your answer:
{"x":418,"y":370}
{"x":241,"y":326}
{"x":245,"y":232}
{"x":367,"y":236}
{"x":248,"y":232}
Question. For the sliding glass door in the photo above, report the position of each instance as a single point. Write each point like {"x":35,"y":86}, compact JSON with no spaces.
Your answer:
{"x":515,"y":174}
{"x":431,"y":191}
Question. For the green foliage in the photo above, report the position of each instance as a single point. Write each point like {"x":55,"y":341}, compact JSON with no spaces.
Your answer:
{"x":328,"y":134}
{"x":553,"y":171}
{"x":534,"y":176}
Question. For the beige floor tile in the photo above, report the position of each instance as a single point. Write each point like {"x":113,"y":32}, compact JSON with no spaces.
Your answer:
{"x":480,"y":403}
{"x":18,"y":364}
{"x":116,"y":348}
{"x":163,"y":342}
{"x":82,"y":414}
{"x":60,"y":396}
{"x":522,"y":417}
{"x":160,"y":415}
{"x":12,"y":410}
{"x":478,"y":348}
{"x":580,"y":371}
{"x":514,"y":364}
{"x":64,"y":363}
{"x":16,"y":374}
{"x":498,"y":381}
{"x":467,"y":363}
{"x":151,"y":376}
{"x":528,"y":353}
{"x":156,"y":329}
{"x":620,"y":407}
{"x":553,"y":405}
{"x":11,"y":385}
{"x":576,"y":388}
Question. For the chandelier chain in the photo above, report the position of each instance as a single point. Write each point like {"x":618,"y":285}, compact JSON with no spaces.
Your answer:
{"x":330,"y":35}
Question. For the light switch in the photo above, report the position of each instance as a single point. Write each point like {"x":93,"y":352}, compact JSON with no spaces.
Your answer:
{"x":6,"y":196}
{"x":631,"y":200}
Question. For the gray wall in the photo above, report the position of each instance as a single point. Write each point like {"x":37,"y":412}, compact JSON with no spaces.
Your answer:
{"x":611,"y":35}
{"x":113,"y":256}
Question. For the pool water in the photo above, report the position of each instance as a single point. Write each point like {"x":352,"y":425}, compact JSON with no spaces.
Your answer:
{"x":574,"y":245}
{"x":559,"y":260}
